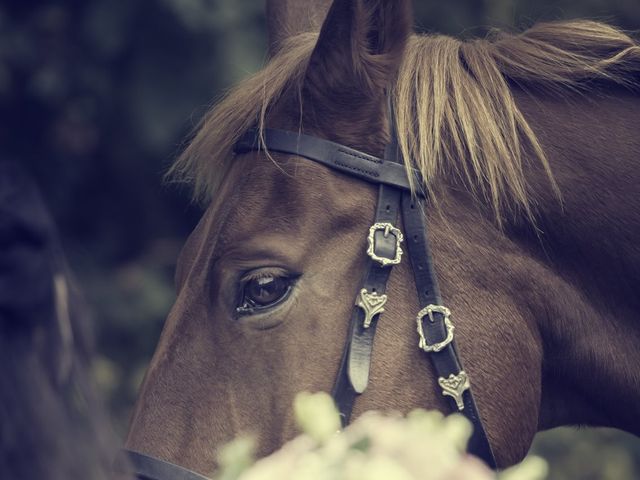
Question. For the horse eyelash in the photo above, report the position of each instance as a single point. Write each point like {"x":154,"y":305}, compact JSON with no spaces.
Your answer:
{"x":278,"y":272}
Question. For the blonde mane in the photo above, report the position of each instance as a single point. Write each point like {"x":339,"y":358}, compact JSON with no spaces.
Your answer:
{"x":455,"y":111}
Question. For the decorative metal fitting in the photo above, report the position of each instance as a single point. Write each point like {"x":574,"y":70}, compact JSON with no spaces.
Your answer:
{"x":428,"y":311}
{"x":387,"y":228}
{"x":454,"y":386}
{"x":372,"y":304}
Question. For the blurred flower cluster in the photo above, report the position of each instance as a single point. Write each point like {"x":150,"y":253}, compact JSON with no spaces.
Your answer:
{"x":425,"y":445}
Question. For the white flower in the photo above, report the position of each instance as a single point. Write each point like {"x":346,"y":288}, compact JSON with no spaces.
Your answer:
{"x":532,"y":468}
{"x":316,"y":415}
{"x":235,"y":457}
{"x":457,"y":430}
{"x":423,"y":446}
{"x":376,"y":468}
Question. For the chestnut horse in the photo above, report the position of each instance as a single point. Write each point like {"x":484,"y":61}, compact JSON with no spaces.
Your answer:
{"x":528,"y":146}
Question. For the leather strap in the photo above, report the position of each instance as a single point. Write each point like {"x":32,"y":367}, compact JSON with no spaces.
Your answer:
{"x":446,"y":361}
{"x":353,"y":373}
{"x":336,"y":156}
{"x":146,"y":467}
{"x":375,"y":282}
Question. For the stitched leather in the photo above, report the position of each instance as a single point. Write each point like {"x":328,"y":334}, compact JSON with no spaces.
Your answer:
{"x":336,"y":156}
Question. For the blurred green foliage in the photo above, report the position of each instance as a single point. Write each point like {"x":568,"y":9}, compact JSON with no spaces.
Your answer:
{"x":96,"y":97}
{"x":589,"y":454}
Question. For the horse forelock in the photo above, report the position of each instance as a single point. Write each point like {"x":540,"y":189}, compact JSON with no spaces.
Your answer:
{"x":455,"y":111}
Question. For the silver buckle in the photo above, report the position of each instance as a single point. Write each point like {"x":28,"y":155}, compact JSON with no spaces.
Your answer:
{"x":428,"y":311}
{"x":387,"y":228}
{"x":372,"y":304}
{"x":454,"y":386}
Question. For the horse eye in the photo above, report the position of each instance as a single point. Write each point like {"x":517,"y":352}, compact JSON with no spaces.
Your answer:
{"x":263,"y":292}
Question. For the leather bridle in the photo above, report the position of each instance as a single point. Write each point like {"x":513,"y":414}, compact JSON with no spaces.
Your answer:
{"x":384,"y":249}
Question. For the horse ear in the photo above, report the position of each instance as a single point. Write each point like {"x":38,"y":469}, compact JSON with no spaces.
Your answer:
{"x":360,"y":46}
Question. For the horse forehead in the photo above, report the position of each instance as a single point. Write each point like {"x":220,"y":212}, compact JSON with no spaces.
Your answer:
{"x":287,"y":189}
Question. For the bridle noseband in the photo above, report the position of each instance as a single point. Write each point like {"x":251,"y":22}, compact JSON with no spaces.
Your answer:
{"x":384,"y":249}
{"x":146,"y":467}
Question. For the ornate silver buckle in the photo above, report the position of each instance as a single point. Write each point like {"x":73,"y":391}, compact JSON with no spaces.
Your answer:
{"x":372,"y":304}
{"x":428,"y":311}
{"x":454,"y":386}
{"x":387,"y":228}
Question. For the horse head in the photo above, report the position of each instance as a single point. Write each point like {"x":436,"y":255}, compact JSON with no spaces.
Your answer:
{"x":266,"y":283}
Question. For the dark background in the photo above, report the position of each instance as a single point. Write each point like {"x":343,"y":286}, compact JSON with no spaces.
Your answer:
{"x":96,"y":97}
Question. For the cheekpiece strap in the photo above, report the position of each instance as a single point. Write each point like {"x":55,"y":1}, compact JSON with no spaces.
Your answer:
{"x":436,"y":330}
{"x":384,"y":248}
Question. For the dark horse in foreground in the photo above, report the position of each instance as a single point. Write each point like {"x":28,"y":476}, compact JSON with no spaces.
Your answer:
{"x":527,"y":147}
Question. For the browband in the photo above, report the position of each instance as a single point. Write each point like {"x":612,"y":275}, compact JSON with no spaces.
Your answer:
{"x":333,"y":155}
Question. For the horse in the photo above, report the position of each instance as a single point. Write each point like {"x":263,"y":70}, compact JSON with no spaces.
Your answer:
{"x":523,"y":147}
{"x":54,"y":423}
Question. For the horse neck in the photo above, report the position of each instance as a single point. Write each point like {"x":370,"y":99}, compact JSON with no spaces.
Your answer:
{"x":586,"y":295}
